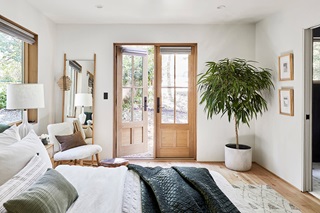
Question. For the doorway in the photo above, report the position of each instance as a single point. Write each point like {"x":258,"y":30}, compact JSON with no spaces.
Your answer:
{"x":155,"y":104}
{"x":316,"y":112}
{"x":311,"y":173}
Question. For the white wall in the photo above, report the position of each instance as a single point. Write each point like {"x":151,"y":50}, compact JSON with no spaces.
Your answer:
{"x":214,"y":42}
{"x":279,"y":138}
{"x":23,"y":14}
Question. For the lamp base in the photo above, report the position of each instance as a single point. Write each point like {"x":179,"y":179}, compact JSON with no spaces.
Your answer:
{"x":24,"y":127}
{"x":82,"y":116}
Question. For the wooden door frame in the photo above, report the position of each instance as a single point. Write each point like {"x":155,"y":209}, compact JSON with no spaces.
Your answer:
{"x":115,"y":111}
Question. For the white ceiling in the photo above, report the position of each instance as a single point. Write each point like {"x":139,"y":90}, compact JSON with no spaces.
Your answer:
{"x":157,"y":11}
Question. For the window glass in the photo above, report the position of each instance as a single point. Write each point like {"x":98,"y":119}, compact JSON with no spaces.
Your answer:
{"x":11,"y":71}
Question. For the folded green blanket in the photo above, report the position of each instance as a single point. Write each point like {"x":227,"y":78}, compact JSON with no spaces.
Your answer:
{"x":180,"y":189}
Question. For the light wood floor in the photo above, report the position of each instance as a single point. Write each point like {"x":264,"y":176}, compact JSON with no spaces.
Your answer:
{"x":257,"y":175}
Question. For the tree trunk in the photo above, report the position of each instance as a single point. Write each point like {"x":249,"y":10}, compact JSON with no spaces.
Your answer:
{"x":236,"y":128}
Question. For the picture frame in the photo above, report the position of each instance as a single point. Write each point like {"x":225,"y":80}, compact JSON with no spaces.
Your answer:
{"x":286,"y":101}
{"x":285,"y":66}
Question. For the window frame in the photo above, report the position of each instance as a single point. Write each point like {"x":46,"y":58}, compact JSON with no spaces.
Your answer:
{"x":30,"y":67}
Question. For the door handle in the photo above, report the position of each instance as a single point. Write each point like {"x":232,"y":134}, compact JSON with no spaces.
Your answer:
{"x":158,"y":105}
{"x":145,"y":106}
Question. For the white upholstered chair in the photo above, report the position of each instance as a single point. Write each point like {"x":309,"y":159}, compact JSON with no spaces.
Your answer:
{"x":75,"y":154}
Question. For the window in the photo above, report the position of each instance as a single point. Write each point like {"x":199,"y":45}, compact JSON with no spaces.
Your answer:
{"x":18,"y":64}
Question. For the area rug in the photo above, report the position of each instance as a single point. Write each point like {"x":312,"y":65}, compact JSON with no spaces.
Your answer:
{"x":262,"y":198}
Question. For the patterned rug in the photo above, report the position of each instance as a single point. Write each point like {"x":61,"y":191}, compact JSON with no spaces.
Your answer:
{"x":262,"y":198}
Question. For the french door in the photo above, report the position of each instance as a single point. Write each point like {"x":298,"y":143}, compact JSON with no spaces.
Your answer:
{"x":175,"y":102}
{"x":173,"y":90}
{"x":132,"y":117}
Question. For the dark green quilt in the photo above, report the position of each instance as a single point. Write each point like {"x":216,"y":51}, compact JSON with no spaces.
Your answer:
{"x":180,"y":189}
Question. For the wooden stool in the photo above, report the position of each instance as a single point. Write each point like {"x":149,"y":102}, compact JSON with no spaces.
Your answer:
{"x":114,"y":162}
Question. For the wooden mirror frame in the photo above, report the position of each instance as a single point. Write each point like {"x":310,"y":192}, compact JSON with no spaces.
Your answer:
{"x":94,"y":85}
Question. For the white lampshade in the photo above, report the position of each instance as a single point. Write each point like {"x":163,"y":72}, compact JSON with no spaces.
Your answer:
{"x":83,"y":99}
{"x":25,"y":96}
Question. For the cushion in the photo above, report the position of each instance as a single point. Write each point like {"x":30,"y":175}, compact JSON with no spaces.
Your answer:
{"x":9,"y":136}
{"x":45,"y":195}
{"x":88,"y":132}
{"x":16,"y":156}
{"x":22,"y":181}
{"x":70,"y":141}
{"x":3,"y":127}
{"x":78,"y":127}
{"x":88,"y":141}
{"x":79,"y":152}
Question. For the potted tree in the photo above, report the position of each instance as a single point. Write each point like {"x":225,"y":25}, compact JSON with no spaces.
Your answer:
{"x":234,"y":87}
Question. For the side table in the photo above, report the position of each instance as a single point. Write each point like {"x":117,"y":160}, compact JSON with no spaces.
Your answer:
{"x":114,"y":162}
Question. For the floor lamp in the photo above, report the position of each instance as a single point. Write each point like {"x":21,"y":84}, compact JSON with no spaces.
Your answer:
{"x":83,"y":100}
{"x":25,"y":96}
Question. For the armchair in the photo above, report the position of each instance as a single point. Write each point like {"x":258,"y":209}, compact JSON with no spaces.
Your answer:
{"x":76,"y":153}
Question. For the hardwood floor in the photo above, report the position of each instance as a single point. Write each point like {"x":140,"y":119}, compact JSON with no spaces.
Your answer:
{"x":257,"y":175}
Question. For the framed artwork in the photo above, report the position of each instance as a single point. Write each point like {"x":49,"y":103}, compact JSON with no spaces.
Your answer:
{"x":285,"y":63}
{"x":286,"y":101}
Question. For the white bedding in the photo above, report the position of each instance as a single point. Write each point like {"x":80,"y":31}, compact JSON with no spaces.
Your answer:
{"x":100,"y":189}
{"x":118,"y":190}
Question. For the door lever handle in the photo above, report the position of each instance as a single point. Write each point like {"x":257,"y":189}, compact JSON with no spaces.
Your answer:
{"x":158,"y":104}
{"x":145,"y":106}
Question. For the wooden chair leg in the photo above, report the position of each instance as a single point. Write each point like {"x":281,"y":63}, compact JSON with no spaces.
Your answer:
{"x":56,"y":163}
{"x":92,"y":160}
{"x":98,"y":159}
{"x":81,"y":162}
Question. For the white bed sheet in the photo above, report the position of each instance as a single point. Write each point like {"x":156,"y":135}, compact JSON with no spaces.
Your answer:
{"x":118,"y":190}
{"x":100,"y":189}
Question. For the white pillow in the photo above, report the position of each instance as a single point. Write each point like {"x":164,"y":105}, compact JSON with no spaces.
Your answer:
{"x":9,"y":136}
{"x":22,"y":181}
{"x":33,"y":138}
{"x":14,"y":157}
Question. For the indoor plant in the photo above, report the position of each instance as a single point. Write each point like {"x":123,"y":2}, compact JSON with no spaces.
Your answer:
{"x":234,"y":87}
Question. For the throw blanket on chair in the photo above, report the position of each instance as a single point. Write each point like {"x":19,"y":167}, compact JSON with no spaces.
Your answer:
{"x":180,"y":189}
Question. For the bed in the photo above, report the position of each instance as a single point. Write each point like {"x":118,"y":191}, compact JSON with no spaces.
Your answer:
{"x":95,"y":196}
{"x":27,"y":181}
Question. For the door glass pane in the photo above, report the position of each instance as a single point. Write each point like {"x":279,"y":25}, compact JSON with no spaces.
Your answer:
{"x":182,"y":70}
{"x":182,"y":105}
{"x":167,"y":102}
{"x":137,"y":105}
{"x":167,"y":70}
{"x":126,"y":70}
{"x":138,"y":71}
{"x":126,"y":105}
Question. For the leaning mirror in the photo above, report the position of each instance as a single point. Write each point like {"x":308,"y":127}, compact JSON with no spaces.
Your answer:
{"x":78,"y":94}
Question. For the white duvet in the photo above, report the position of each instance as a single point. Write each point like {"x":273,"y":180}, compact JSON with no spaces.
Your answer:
{"x":100,"y":189}
{"x":118,"y":190}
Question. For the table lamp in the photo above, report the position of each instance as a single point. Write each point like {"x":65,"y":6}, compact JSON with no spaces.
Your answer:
{"x":25,"y":96}
{"x":83,"y":100}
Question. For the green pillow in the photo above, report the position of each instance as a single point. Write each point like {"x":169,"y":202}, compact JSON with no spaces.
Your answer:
{"x":51,"y":193}
{"x":3,"y":127}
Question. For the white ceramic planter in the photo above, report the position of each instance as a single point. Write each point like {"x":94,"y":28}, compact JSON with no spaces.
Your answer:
{"x":238,"y":159}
